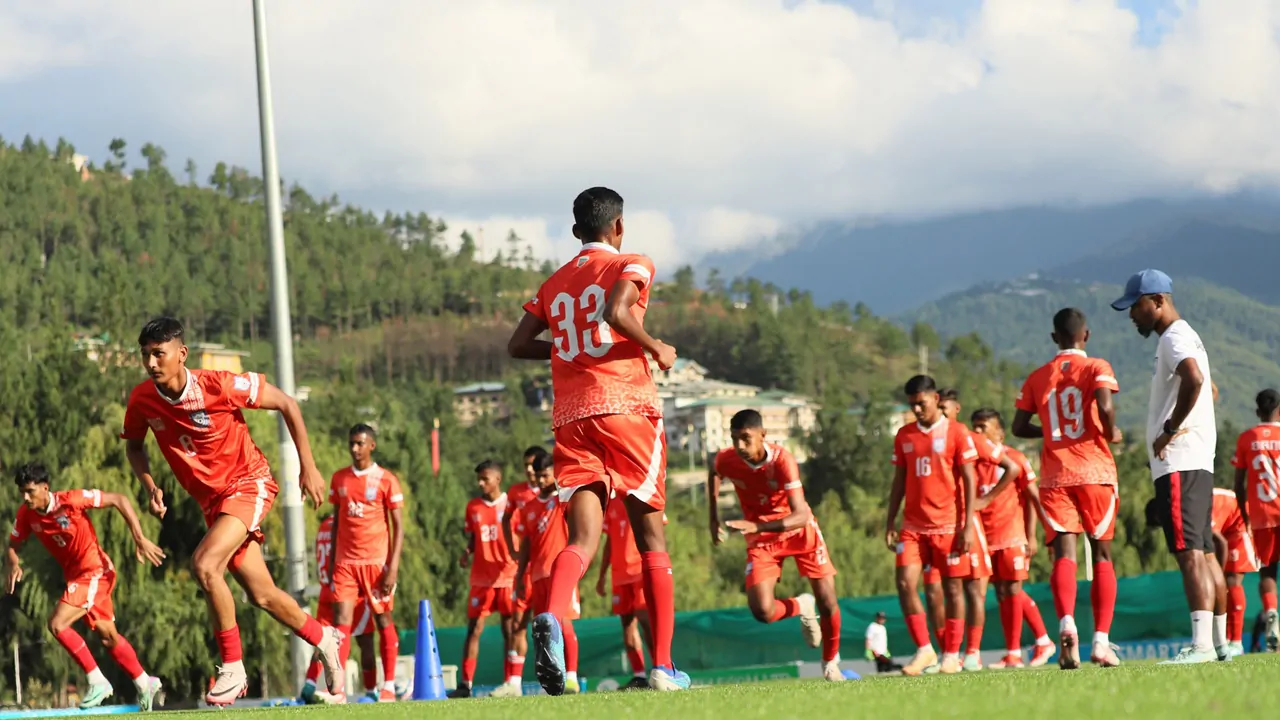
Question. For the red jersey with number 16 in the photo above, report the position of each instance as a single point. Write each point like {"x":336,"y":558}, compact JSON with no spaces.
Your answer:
{"x":932,"y":457}
{"x":1060,"y":393}
{"x":595,"y":371}
{"x":202,"y":434}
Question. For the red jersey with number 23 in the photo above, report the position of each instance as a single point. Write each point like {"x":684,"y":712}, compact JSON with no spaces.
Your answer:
{"x":202,"y":434}
{"x":1060,"y":393}
{"x":491,"y":563}
{"x":595,"y":371}
{"x":932,"y":458}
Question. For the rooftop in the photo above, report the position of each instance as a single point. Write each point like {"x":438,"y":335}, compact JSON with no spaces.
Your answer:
{"x":480,"y":387}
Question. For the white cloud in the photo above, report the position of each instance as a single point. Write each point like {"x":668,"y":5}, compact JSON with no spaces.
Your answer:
{"x":727,"y":119}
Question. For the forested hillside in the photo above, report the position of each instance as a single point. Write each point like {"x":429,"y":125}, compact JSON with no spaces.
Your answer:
{"x":387,"y":319}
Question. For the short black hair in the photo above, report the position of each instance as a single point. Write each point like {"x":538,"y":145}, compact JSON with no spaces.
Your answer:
{"x":1268,"y":401}
{"x":543,"y":462}
{"x":534,"y":451}
{"x":949,"y":393}
{"x":32,"y":473}
{"x":594,"y":210}
{"x":488,"y":465}
{"x":746,"y":420}
{"x":1068,"y":323}
{"x":161,"y":330}
{"x":363,"y":429}
{"x":982,"y":415}
{"x":919,"y":384}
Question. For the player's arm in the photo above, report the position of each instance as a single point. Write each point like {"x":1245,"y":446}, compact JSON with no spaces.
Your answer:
{"x":1103,"y":398}
{"x":617,"y":312}
{"x":1031,"y":510}
{"x":395,"y":528}
{"x":145,"y":550}
{"x":969,"y":481}
{"x":801,"y":513}
{"x":1012,"y":471}
{"x":135,"y":449}
{"x":468,"y":549}
{"x":13,"y":564}
{"x":897,"y":491}
{"x":713,"y":506}
{"x":1242,"y":495}
{"x":271,"y":397}
{"x":524,"y":343}
{"x":1024,"y":428}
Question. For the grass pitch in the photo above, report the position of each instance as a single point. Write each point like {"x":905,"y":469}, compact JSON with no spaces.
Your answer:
{"x":1134,"y":690}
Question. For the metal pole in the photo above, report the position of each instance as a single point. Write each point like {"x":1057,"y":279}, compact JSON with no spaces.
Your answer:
{"x":17,"y":673}
{"x":294,"y":524}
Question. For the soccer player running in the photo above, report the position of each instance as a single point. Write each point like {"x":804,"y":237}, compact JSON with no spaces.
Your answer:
{"x":518,"y":495}
{"x":1181,"y":438}
{"x":620,"y":562}
{"x":933,"y":474}
{"x":197,"y":419}
{"x":1009,"y":520}
{"x":607,"y":421}
{"x":492,"y":573}
{"x":1257,"y":485}
{"x":60,"y":520}
{"x":544,"y":536}
{"x":1072,"y":397}
{"x":368,"y":535}
{"x":778,"y":524}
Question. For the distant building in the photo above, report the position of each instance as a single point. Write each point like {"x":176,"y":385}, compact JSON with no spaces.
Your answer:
{"x":212,"y":356}
{"x":470,"y":402}
{"x":701,"y":425}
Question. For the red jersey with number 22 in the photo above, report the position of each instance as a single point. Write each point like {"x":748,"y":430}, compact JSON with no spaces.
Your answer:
{"x":65,"y":531}
{"x":932,"y":458}
{"x":1060,"y":393}
{"x":595,"y":371}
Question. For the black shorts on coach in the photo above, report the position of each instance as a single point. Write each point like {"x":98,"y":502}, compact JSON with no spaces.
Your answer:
{"x":1185,"y":503}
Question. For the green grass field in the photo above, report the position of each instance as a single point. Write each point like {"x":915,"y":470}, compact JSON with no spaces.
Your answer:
{"x":1135,"y":690}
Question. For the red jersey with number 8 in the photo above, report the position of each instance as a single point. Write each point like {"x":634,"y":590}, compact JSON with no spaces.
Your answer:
{"x":1060,"y":393}
{"x":1258,"y":454}
{"x":595,"y":371}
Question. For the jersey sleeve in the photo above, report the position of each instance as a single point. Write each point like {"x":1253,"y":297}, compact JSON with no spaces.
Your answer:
{"x":1104,"y":377}
{"x":1242,"y":452}
{"x":241,"y":391}
{"x":788,"y":471}
{"x":897,"y":450}
{"x":966,"y":450}
{"x":333,"y":490}
{"x":81,"y":499}
{"x":135,"y":424}
{"x":468,"y":525}
{"x":392,"y":492}
{"x":21,"y":529}
{"x":987,"y":450}
{"x":639,"y":269}
{"x":1028,"y":475}
{"x":536,"y":307}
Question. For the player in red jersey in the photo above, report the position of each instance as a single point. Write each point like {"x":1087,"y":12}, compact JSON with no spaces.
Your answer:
{"x":778,"y":524}
{"x":544,"y":535}
{"x":1009,"y":519}
{"x":362,"y":629}
{"x":1236,"y":556}
{"x":620,"y":561}
{"x":492,"y":571}
{"x":197,"y":419}
{"x":518,"y":496}
{"x":1072,"y":396}
{"x":60,"y":520}
{"x":933,"y":473}
{"x":607,"y":420}
{"x":368,"y":535}
{"x":1257,"y":486}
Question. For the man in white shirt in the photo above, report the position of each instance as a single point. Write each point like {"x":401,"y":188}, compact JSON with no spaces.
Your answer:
{"x":878,"y":645}
{"x":1181,"y":440}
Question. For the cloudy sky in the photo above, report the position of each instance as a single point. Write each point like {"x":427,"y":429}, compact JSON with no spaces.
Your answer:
{"x":720,"y":121}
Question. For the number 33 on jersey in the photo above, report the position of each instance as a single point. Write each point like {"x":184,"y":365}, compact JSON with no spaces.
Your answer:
{"x":1061,"y":395}
{"x":595,"y":371}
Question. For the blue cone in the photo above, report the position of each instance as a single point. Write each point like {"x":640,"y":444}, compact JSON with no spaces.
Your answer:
{"x":428,"y":678}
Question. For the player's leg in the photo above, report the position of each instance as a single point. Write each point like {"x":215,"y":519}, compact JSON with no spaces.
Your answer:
{"x":1221,"y":644}
{"x":809,"y":550}
{"x":389,"y":643}
{"x":470,"y":649}
{"x":324,"y":614}
{"x":127,"y":658}
{"x":1061,"y":528}
{"x":935,"y":607}
{"x":953,"y":598}
{"x":1008,"y":598}
{"x":368,"y":664}
{"x":1184,"y":501}
{"x":1102,"y":595}
{"x":635,"y":652}
{"x":824,"y":592}
{"x":225,"y":538}
{"x":519,"y":635}
{"x":909,"y":562}
{"x":511,"y":686}
{"x":659,"y":589}
{"x":1267,"y":545}
{"x":764,"y":567}
{"x":975,"y":620}
{"x":1235,"y":611}
{"x":250,"y":571}
{"x":60,"y":625}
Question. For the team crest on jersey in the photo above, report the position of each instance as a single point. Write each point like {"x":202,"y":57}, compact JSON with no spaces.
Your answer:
{"x":939,"y":444}
{"x":582,"y":261}
{"x":1066,"y":364}
{"x":157,"y":424}
{"x":201,"y":419}
{"x":63,"y":521}
{"x":370,"y":493}
{"x":241,"y":383}
{"x":908,"y":447}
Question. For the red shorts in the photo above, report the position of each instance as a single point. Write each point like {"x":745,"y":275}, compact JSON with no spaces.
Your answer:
{"x":248,"y":501}
{"x":521,"y":602}
{"x":629,"y":599}
{"x":1241,"y":556}
{"x":979,"y":556}
{"x":540,"y":600}
{"x":361,"y":619}
{"x":1080,"y":509}
{"x":92,"y":593}
{"x":489,"y":600}
{"x":1010,"y":564}
{"x":932,"y":552}
{"x":930,"y":575}
{"x":764,"y":562}
{"x":360,"y":582}
{"x":626,"y":452}
{"x":1266,"y":542}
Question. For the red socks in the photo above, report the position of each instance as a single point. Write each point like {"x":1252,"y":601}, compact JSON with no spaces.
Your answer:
{"x":830,"y":636}
{"x":1235,"y":613}
{"x":566,"y":571}
{"x":344,"y":647}
{"x":973,"y":639}
{"x":1063,"y":583}
{"x":515,"y":665}
{"x":390,"y":652}
{"x":570,"y":646}
{"x":783,"y":609}
{"x":636,"y":658}
{"x":314,"y":670}
{"x":71,"y":640}
{"x":229,"y":645}
{"x":468,"y":670}
{"x":125,"y":656}
{"x":370,"y":676}
{"x":953,"y":635}
{"x":659,"y":592}
{"x":1031,"y":613}
{"x":1011,"y":621}
{"x":918,"y":627}
{"x":1268,"y":601}
{"x":311,"y":631}
{"x":1103,"y":595}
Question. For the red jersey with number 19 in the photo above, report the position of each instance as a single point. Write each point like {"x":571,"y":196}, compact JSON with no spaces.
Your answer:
{"x":1060,"y":393}
{"x":593,"y":370}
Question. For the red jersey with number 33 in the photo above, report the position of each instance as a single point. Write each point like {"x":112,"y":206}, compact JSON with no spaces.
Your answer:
{"x":65,"y":531}
{"x":1060,"y":394}
{"x":932,"y":458}
{"x":762,"y":489}
{"x":202,"y":434}
{"x":595,"y":371}
{"x":491,"y":562}
{"x":1258,"y":454}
